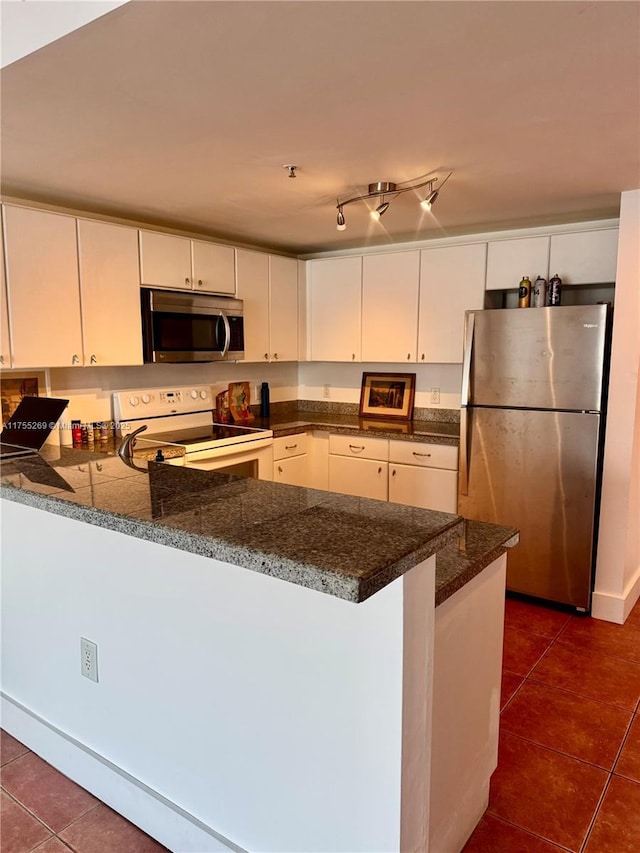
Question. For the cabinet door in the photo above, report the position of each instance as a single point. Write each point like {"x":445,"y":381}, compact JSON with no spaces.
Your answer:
{"x":335,"y":286}
{"x":165,"y":260}
{"x":109,"y":284}
{"x":283,"y":303}
{"x":252,"y":286}
{"x":294,"y":471}
{"x":390,"y":306}
{"x":509,"y":260}
{"x":590,"y":257}
{"x":364,"y":478}
{"x":429,"y":488}
{"x":214,"y":268}
{"x":5,"y":350}
{"x":451,"y":282}
{"x":42,"y":288}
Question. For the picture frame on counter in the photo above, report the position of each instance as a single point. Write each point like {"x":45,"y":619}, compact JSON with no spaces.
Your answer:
{"x":387,"y":396}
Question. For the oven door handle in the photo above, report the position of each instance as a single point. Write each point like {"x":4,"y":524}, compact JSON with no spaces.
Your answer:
{"x":227,"y":328}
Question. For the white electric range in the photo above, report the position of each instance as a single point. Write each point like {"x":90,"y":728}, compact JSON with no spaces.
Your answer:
{"x":182,"y":418}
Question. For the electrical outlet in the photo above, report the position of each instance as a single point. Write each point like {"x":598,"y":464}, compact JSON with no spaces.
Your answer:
{"x":88,"y":659}
{"x":435,"y":395}
{"x":326,"y":390}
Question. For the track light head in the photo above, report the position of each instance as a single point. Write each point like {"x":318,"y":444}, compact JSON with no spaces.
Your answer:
{"x":341,"y":224}
{"x":427,"y":203}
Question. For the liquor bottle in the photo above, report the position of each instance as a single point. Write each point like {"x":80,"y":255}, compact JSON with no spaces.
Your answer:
{"x":539,"y":292}
{"x":554,"y":291}
{"x":524,"y":293}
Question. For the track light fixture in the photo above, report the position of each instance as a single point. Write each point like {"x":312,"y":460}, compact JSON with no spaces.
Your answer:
{"x":386,"y":188}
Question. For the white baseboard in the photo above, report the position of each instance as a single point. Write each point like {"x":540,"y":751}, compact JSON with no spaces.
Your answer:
{"x":616,"y":608}
{"x":160,"y":818}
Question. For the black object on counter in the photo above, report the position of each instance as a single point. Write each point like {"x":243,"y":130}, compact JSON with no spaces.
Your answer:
{"x":264,"y":400}
{"x":159,"y":455}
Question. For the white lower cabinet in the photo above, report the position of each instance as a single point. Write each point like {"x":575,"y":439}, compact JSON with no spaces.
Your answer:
{"x":363,"y":478}
{"x":423,"y":475}
{"x":358,"y":466}
{"x":291,"y":463}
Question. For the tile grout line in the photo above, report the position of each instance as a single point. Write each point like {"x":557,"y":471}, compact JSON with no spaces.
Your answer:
{"x":592,"y":823}
{"x":529,"y":832}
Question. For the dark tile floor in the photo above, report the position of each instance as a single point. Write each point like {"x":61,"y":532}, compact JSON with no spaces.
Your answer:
{"x":568,"y":776}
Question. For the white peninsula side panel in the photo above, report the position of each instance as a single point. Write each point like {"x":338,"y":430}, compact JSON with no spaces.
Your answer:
{"x":232,"y":708}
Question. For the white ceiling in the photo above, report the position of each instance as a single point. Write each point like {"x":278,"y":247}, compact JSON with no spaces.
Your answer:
{"x":182,"y":114}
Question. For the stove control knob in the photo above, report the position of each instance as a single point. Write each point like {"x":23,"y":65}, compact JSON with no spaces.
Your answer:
{"x":203,"y":394}
{"x":133,"y":401}
{"x":194,"y":394}
{"x":146,"y":398}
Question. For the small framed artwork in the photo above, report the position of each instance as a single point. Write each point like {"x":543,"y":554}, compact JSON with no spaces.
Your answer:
{"x":387,"y":395}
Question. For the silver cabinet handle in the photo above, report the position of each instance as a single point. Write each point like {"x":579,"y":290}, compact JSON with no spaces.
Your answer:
{"x":380,"y":470}
{"x":187,"y":281}
{"x":1,"y":359}
{"x":200,"y":283}
{"x":266,"y":355}
{"x":75,"y":359}
{"x":353,"y":356}
{"x":393,"y":473}
{"x":356,"y":448}
{"x":93,"y":359}
{"x":290,"y":446}
{"x":275,"y":355}
{"x":422,"y":357}
{"x":279,"y":469}
{"x":408,"y":356}
{"x":421,"y":454}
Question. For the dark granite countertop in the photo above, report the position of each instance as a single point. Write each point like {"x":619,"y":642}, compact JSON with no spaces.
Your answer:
{"x":290,"y":422}
{"x":344,"y":546}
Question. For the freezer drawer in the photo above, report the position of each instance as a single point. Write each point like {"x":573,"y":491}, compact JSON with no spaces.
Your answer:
{"x":536,"y":470}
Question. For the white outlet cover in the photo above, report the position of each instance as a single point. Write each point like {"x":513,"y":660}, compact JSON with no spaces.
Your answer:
{"x":88,"y":659}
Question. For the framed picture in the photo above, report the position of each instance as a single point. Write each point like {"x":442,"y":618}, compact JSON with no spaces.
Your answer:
{"x":387,"y":395}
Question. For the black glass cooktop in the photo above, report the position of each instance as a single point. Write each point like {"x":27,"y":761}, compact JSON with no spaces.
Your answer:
{"x":211,"y":434}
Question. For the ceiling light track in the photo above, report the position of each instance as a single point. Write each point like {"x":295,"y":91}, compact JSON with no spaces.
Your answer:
{"x":380,"y":189}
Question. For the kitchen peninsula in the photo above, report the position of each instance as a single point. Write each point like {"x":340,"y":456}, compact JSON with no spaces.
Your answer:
{"x":273,"y":672}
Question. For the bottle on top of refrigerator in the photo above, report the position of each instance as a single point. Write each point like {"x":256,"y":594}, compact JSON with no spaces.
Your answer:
{"x":524,"y":292}
{"x":553,"y":293}
{"x":539,"y":292}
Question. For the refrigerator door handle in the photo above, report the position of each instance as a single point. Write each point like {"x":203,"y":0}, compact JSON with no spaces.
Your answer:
{"x":470,"y":320}
{"x":463,"y":485}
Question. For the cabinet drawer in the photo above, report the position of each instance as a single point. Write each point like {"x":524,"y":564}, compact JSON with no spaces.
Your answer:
{"x":424,"y":454}
{"x":290,"y":445}
{"x":359,"y":446}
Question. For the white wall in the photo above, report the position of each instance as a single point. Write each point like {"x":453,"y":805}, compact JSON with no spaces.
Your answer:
{"x":89,"y":389}
{"x":618,"y":568}
{"x":345,"y":381}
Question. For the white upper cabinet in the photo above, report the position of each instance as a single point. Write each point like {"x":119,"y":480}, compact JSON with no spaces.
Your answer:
{"x":588,"y":257}
{"x":451,"y":282}
{"x":509,"y":260}
{"x":283,"y":308}
{"x":252,"y":286}
{"x":5,"y":349}
{"x":214,"y":268}
{"x":167,"y":260}
{"x":109,"y":285}
{"x":334,"y":289}
{"x":390,"y":284}
{"x":43,"y":288}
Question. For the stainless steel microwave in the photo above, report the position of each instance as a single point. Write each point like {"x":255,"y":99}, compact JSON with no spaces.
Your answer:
{"x":178,"y":326}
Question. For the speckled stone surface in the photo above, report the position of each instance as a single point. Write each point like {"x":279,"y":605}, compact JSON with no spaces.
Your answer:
{"x":344,"y":546}
{"x":460,"y":561}
{"x":291,"y":422}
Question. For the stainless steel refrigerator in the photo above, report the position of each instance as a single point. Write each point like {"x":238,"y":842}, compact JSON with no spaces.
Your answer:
{"x":531,"y":435}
